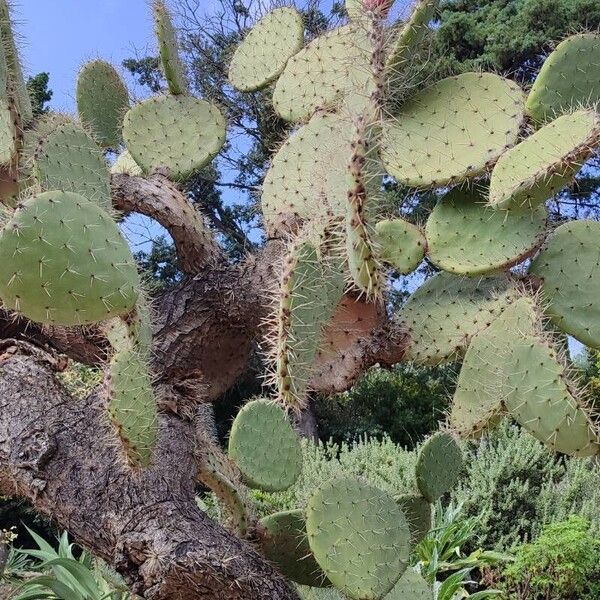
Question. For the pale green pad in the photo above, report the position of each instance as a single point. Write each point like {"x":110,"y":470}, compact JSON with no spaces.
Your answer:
{"x":439,"y":465}
{"x":541,"y":401}
{"x":125,"y":165}
{"x":401,"y":244}
{"x":359,"y":536}
{"x":417,"y":511}
{"x":172,"y":67}
{"x":333,"y":69}
{"x":263,"y":54}
{"x":569,"y":266}
{"x":65,"y":262}
{"x":132,"y":406}
{"x":265,"y":447}
{"x":102,"y":101}
{"x":568,"y":79}
{"x":69,"y":159}
{"x":481,"y":387}
{"x":285,"y":544}
{"x":180,"y":133}
{"x":411,"y":586}
{"x":447,"y":311}
{"x":308,"y":178}
{"x":8,"y":134}
{"x":467,"y":237}
{"x":544,"y":163}
{"x":452,"y":130}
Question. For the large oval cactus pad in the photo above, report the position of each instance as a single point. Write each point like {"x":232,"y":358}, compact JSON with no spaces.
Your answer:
{"x":359,"y":536}
{"x":452,"y":130}
{"x":65,"y":262}
{"x":263,"y":54}
{"x":180,"y":133}
{"x":265,"y":447}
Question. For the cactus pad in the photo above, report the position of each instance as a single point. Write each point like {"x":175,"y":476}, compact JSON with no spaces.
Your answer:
{"x":333,"y":69}
{"x":401,"y":244}
{"x":544,"y":402}
{"x":359,"y":536}
{"x":65,"y":262}
{"x":180,"y":133}
{"x":411,"y":586}
{"x":102,"y":101}
{"x":263,"y":54}
{"x":265,"y":447}
{"x":125,"y":165}
{"x":568,"y":79}
{"x":452,"y":130}
{"x":481,"y":388}
{"x":544,"y":163}
{"x":438,"y":466}
{"x":467,"y":237}
{"x":68,"y":159}
{"x":285,"y":544}
{"x":568,"y":267}
{"x":8,"y":134}
{"x":447,"y":310}
{"x":172,"y":67}
{"x":417,"y":511}
{"x":132,"y":406}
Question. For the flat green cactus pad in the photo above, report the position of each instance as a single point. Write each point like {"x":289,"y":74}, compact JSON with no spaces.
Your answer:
{"x":544,"y":402}
{"x":481,"y":387}
{"x":569,"y":79}
{"x":359,"y":536}
{"x":68,"y":159}
{"x":125,"y":165}
{"x":312,"y":593}
{"x":568,"y":267}
{"x":265,"y":447}
{"x":172,"y":66}
{"x":8,"y":134}
{"x":411,"y":586}
{"x":180,"y":133}
{"x":544,"y":163}
{"x":263,"y":54}
{"x":332,"y":70}
{"x":417,"y":511}
{"x":102,"y":101}
{"x":65,"y":262}
{"x":132,"y":406}
{"x":401,"y":244}
{"x":285,"y":544}
{"x":438,"y":466}
{"x":452,"y":130}
{"x":467,"y":237}
{"x":447,"y":311}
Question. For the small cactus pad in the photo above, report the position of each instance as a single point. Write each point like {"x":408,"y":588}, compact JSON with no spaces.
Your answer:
{"x":452,"y":130}
{"x":132,"y":406}
{"x":8,"y":134}
{"x":544,"y":401}
{"x":265,"y":447}
{"x":333,"y":69}
{"x":447,"y":310}
{"x":467,"y":237}
{"x":285,"y":544}
{"x":568,"y":267}
{"x":481,"y":388}
{"x":102,"y":101}
{"x":401,"y":244}
{"x":125,"y":165}
{"x":568,"y":79}
{"x":544,"y":163}
{"x":438,"y":466}
{"x":263,"y":54}
{"x":65,"y":262}
{"x":68,"y":159}
{"x":411,"y":586}
{"x":417,"y":511}
{"x":359,"y":536}
{"x":172,"y":67}
{"x":180,"y":133}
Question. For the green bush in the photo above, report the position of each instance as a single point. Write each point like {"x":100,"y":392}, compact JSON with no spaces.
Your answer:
{"x":562,"y":564}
